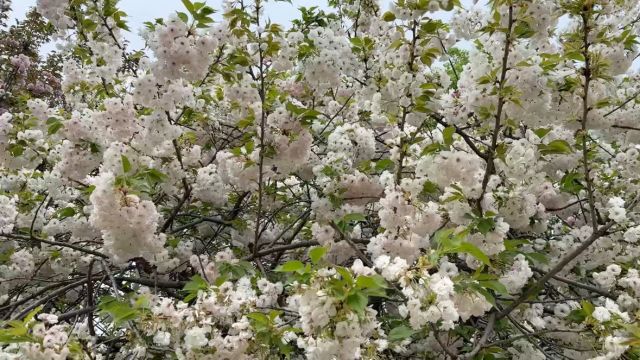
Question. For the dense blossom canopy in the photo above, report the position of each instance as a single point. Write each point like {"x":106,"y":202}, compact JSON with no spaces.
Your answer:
{"x":353,"y":186}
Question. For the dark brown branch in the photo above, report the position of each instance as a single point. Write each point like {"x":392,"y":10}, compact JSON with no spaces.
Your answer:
{"x":261,"y":150}
{"x":567,"y":206}
{"x":580,"y":285}
{"x":631,"y":98}
{"x":585,"y":116}
{"x":467,"y":139}
{"x":444,"y":346}
{"x":90,"y":303}
{"x":55,"y":243}
{"x":498,"y":117}
{"x":511,"y":339}
{"x":48,"y":298}
{"x":625,"y":127}
{"x":185,"y":185}
{"x":297,"y":245}
{"x":75,"y":313}
{"x":34,"y":295}
{"x":556,"y":269}
{"x":483,"y":340}
{"x":199,"y":221}
{"x":166,"y":284}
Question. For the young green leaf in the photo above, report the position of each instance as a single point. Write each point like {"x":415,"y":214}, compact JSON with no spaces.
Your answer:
{"x":126,"y":164}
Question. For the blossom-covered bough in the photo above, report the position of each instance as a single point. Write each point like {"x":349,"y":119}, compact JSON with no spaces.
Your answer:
{"x":349,"y":187}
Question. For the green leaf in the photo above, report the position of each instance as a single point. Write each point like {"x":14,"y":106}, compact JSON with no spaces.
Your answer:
{"x":16,"y":331}
{"x":384,"y":164}
{"x":429,"y":187}
{"x":484,"y":292}
{"x":246,"y":122}
{"x":183,"y":16}
{"x":31,"y":315}
{"x":259,"y":321}
{"x":355,"y":217}
{"x":88,"y":190}
{"x":513,"y":244}
{"x":205,"y":11}
{"x":575,"y":55}
{"x":122,"y":25}
{"x":346,"y":275}
{"x":485,"y":225}
{"x":523,"y":30}
{"x":239,"y":59}
{"x":431,"y":148}
{"x":447,"y":135}
{"x":577,"y":316}
{"x":126,"y":165}
{"x":587,"y":307}
{"x":330,"y":171}
{"x":447,"y":239}
{"x":95,"y":148}
{"x":189,"y":6}
{"x":357,"y":302}
{"x":54,"y":127}
{"x":291,"y":266}
{"x":400,"y":333}
{"x":536,"y":257}
{"x":235,"y":271}
{"x":192,"y":287}
{"x":119,"y":311}
{"x":555,"y":147}
{"x":571,"y":182}
{"x":371,"y":282}
{"x":388,"y":16}
{"x":7,"y":338}
{"x":374,"y":285}
{"x":541,"y":132}
{"x":427,"y":58}
{"x":494,"y":285}
{"x":603,"y":103}
{"x":316,"y":253}
{"x":65,"y":213}
{"x":474,"y":251}
{"x":89,"y":25}
{"x":16,"y":150}
{"x":155,"y":175}
{"x":396,"y":44}
{"x":429,"y":26}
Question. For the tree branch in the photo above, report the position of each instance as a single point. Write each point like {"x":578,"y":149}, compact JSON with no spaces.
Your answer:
{"x":55,"y":243}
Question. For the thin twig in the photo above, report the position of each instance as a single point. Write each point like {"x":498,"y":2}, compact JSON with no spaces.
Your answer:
{"x":55,"y":243}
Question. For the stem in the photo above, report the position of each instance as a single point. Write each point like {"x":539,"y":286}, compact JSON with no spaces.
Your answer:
{"x":262,"y":126}
{"x":483,"y":340}
{"x":556,"y":269}
{"x":405,"y":110}
{"x":90,"y":303}
{"x":55,"y":243}
{"x":585,"y":115}
{"x":498,"y":117}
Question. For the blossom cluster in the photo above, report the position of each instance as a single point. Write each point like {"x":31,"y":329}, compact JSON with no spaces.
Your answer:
{"x":356,"y":185}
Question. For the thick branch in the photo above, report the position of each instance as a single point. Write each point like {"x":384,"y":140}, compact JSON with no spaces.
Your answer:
{"x":585,"y":115}
{"x":556,"y":269}
{"x":483,"y":340}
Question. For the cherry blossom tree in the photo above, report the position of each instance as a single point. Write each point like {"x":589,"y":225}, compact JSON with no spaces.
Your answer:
{"x":353,"y":186}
